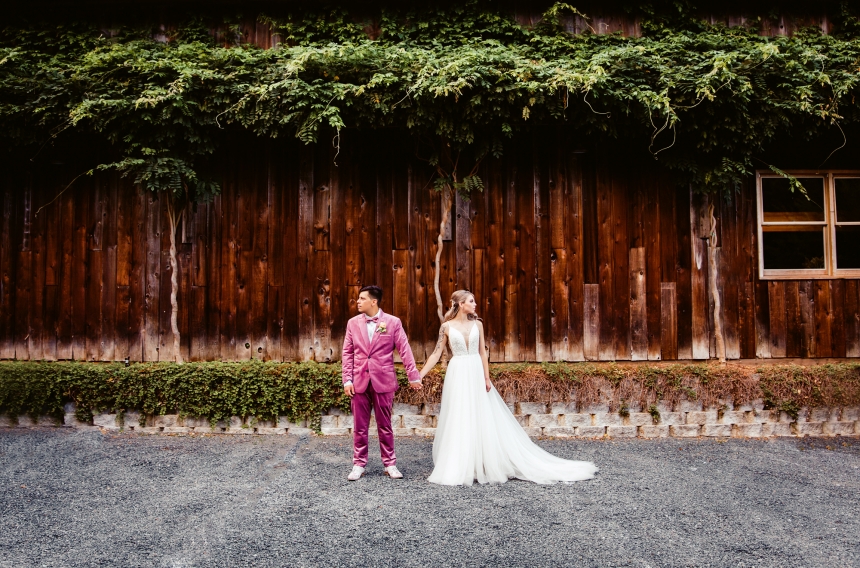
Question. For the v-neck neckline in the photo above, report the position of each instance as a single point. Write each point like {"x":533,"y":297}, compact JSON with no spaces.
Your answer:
{"x":464,"y":336}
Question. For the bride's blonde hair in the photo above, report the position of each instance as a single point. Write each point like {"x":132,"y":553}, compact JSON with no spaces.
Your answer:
{"x":456,"y":298}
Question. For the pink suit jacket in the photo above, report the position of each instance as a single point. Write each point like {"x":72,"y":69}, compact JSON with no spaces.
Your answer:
{"x":365,"y":360}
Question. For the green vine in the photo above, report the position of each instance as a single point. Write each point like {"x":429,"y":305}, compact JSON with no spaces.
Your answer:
{"x":705,"y":99}
{"x":305,"y":391}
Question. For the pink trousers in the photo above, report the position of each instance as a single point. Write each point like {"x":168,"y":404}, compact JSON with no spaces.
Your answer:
{"x":381,"y":404}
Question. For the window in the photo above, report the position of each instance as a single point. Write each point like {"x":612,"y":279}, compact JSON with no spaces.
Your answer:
{"x":811,"y":235}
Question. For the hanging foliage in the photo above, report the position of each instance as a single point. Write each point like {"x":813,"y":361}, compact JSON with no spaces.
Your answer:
{"x":705,"y":99}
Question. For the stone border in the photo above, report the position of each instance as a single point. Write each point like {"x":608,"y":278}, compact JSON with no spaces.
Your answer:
{"x":687,"y":420}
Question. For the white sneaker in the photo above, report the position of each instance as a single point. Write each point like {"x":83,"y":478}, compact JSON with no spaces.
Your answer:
{"x":356,"y":473}
{"x":392,"y":472}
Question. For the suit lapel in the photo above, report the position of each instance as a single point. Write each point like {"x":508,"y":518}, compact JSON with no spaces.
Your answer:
{"x":362,"y":333}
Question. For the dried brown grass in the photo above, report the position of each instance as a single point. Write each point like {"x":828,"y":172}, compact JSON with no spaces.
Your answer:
{"x":787,"y":387}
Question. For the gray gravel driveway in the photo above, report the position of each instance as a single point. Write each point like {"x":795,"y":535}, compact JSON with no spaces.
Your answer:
{"x":93,"y":499}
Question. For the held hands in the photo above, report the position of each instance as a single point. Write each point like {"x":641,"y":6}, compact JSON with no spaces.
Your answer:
{"x":416,"y":385}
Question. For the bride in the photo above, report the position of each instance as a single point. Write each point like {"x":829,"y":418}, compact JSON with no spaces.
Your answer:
{"x":477,"y":437}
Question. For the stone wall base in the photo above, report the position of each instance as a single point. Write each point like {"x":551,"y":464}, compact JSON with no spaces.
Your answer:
{"x":538,"y":420}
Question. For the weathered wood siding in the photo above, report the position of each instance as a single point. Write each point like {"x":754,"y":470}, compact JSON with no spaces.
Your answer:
{"x":572,"y":256}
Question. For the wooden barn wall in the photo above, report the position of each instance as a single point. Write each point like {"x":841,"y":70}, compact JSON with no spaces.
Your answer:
{"x":572,"y":256}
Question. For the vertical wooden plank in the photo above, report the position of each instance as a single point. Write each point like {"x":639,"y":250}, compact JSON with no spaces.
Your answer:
{"x":653,"y":253}
{"x":592,"y":179}
{"x":746,"y":320}
{"x":185,"y":298}
{"x":165,"y":332}
{"x":527,"y":306}
{"x":276,"y":190}
{"x":400,"y":283}
{"x":560,"y":319}
{"x":591,"y":330}
{"x":494,"y":275}
{"x":7,"y":331}
{"x":792,"y":320}
{"x":605,"y":262}
{"x":420,"y":272}
{"x":728,"y":277}
{"x":823,"y":318}
{"x":322,"y":346}
{"x":340,"y":308}
{"x":94,"y":304}
{"x":320,"y":261}
{"x":79,"y":274}
{"x":668,"y":230}
{"x":274,"y":323}
{"x":260,"y":260}
{"x":305,"y":252}
{"x":776,"y":296}
{"x":53,"y":255}
{"x":244,"y":284}
{"x":384,"y":238}
{"x":699,"y":277}
{"x":288,"y":166}
{"x":512,"y":263}
{"x":432,"y":215}
{"x":49,"y":333}
{"x":638,"y":305}
{"x":621,"y":272}
{"x":110,"y":245}
{"x":668,"y":322}
{"x":852,"y":318}
{"x":573,"y":220}
{"x":762,"y":320}
{"x":543,"y":256}
{"x":806,"y":299}
{"x":137,"y":278}
{"x":95,"y":270}
{"x":38,"y":266}
{"x":838,"y":316}
{"x":124,"y":262}
{"x":683,"y":275}
{"x":478,"y":288}
{"x":463,"y":242}
{"x":152,"y":279}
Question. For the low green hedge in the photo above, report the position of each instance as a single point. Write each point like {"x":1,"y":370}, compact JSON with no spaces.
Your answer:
{"x":304,"y":391}
{"x":300,"y":391}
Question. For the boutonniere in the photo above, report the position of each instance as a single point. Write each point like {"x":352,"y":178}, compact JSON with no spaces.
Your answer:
{"x":380,"y":327}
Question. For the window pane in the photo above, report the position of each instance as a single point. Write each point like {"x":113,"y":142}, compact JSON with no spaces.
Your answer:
{"x":848,"y":247}
{"x":793,"y":249}
{"x":780,"y":204}
{"x":847,"y":199}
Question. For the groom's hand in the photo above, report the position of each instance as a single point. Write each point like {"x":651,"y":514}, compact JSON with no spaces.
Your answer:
{"x":348,"y":390}
{"x":415,"y":386}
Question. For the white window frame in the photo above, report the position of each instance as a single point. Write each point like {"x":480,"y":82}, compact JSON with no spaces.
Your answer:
{"x":828,"y":227}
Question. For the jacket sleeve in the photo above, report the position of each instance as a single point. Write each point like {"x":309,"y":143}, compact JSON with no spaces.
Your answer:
{"x":347,"y":359}
{"x":402,"y":344}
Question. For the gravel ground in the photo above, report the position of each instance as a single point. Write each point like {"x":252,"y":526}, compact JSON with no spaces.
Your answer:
{"x":91,"y":499}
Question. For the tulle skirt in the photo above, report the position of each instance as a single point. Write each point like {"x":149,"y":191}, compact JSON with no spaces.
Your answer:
{"x":477,"y":437}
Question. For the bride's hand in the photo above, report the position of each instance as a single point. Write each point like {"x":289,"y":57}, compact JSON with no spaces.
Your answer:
{"x":489,"y":384}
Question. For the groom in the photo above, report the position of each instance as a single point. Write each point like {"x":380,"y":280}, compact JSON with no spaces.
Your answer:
{"x":369,"y":377}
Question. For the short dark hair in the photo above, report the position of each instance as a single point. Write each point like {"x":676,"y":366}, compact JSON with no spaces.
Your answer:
{"x":373,"y":291}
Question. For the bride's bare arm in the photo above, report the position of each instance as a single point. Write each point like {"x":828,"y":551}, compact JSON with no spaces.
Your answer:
{"x":485,"y":360}
{"x":437,"y":352}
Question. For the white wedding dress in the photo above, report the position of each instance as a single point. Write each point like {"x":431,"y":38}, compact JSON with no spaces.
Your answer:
{"x":477,"y":437}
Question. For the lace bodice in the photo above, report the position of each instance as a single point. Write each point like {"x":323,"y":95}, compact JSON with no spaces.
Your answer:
{"x":460,"y":346}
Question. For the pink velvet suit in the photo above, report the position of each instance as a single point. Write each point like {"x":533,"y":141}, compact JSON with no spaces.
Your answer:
{"x":369,"y":364}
